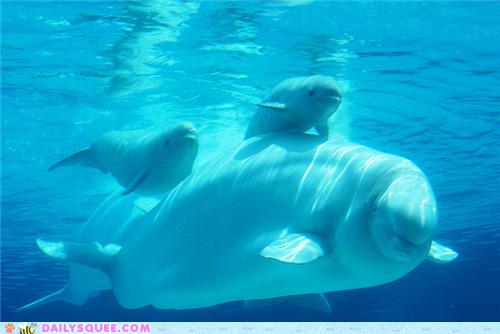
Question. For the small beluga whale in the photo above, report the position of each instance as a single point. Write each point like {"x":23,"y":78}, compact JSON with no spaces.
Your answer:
{"x":297,"y":104}
{"x":142,"y":161}
{"x":284,"y":215}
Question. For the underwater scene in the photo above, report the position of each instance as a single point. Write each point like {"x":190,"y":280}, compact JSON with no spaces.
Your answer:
{"x":290,"y":160}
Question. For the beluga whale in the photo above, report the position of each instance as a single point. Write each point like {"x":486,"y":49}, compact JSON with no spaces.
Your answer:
{"x":285,"y":214}
{"x":297,"y":104}
{"x":142,"y":161}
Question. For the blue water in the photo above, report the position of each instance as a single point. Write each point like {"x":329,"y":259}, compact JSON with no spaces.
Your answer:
{"x":421,"y":79}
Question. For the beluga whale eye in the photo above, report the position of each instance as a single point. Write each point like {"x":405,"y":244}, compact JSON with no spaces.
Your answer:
{"x":167,"y":142}
{"x":311,"y":92}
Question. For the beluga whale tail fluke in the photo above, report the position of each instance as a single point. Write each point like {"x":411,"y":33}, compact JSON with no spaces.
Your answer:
{"x":146,"y":162}
{"x":297,"y":104}
{"x":57,"y":296}
{"x":92,"y":254}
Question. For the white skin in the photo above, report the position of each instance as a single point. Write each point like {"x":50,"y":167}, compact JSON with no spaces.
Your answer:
{"x":306,"y":101}
{"x":162,"y":159}
{"x":202,"y":246}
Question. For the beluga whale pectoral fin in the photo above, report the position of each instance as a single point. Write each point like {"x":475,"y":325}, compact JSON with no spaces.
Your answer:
{"x":136,"y":183}
{"x":322,"y":130}
{"x":272,"y":105}
{"x":441,"y":254}
{"x":91,"y":254}
{"x":314,"y":302}
{"x":297,"y":248}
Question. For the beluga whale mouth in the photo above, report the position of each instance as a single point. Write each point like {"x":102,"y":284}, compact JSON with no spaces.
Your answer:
{"x":391,"y":244}
{"x":333,"y":101}
{"x":325,"y":91}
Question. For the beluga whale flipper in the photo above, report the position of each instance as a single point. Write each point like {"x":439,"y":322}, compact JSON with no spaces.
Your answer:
{"x":301,"y":217}
{"x":441,"y":254}
{"x":297,"y":104}
{"x":142,"y":161}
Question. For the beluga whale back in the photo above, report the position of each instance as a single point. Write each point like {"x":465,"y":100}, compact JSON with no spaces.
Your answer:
{"x":146,"y":162}
{"x":286,"y":214}
{"x":297,"y":104}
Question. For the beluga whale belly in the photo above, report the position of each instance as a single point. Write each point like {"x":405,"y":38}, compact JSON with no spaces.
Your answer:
{"x":297,"y":104}
{"x":285,"y":214}
{"x":146,"y":162}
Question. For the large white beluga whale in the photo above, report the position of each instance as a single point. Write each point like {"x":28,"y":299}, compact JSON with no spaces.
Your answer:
{"x":142,"y":161}
{"x":286,"y":214}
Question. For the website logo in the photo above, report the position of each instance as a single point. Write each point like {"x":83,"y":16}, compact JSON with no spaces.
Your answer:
{"x":9,"y":328}
{"x":27,"y":328}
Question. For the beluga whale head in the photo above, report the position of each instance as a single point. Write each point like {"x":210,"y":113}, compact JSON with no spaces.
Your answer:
{"x":183,"y":136}
{"x":383,"y":225}
{"x":321,"y":95}
{"x":172,"y":156}
{"x":310,"y":99}
{"x":404,"y":220}
{"x":179,"y":143}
